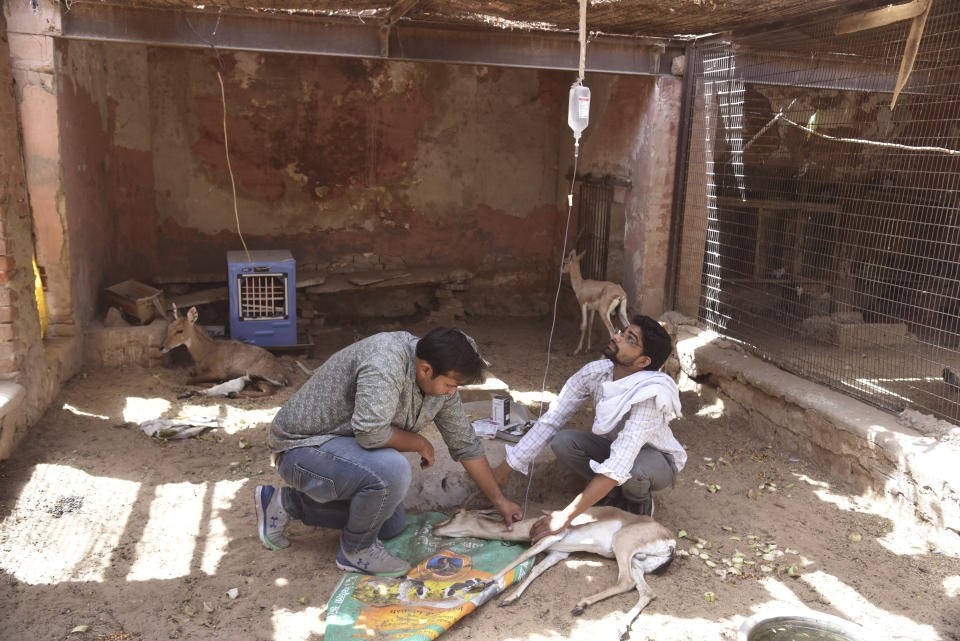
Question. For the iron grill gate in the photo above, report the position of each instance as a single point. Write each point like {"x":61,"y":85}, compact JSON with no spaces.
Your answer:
{"x":593,"y":227}
{"x":820,"y":227}
{"x":262,"y":296}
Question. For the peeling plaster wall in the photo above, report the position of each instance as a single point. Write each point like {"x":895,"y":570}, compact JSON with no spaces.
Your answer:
{"x":31,"y":370}
{"x":406,"y":164}
{"x":437,"y":164}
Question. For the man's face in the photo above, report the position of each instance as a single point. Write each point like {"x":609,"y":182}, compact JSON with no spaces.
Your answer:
{"x":442,"y":385}
{"x":626,"y":348}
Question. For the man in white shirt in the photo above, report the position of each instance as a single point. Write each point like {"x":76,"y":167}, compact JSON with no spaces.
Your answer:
{"x":630,"y":451}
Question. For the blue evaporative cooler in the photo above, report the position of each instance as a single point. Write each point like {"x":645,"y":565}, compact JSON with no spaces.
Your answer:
{"x":263,"y":303}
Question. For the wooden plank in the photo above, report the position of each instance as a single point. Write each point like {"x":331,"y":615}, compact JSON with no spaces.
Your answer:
{"x":363,"y":282}
{"x":733,"y":203}
{"x":202,"y":297}
{"x":424,"y":276}
{"x":199,"y":277}
{"x":309,"y":279}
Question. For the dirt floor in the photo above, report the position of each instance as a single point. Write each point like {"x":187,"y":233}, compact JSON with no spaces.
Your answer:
{"x":108,"y":534}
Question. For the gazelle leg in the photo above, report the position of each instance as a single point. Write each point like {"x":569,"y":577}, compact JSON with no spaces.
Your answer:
{"x":606,"y":311}
{"x":553,"y":557}
{"x":536,"y":549}
{"x":624,"y":550}
{"x":590,"y":316}
{"x":623,"y":313}
{"x":623,"y":585}
{"x":646,"y":595}
{"x":583,"y":327}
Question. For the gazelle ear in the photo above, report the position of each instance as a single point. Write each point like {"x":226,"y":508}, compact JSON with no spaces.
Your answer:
{"x":192,"y":315}
{"x":174,"y":311}
{"x":581,"y":254}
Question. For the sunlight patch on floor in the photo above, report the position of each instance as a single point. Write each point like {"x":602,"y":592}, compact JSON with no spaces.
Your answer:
{"x":57,"y":531}
{"x":781,"y":593}
{"x":951,"y":585}
{"x":300,"y":625}
{"x":217,"y":536}
{"x":238,"y":419}
{"x":73,"y":410}
{"x":646,"y":627}
{"x":165,"y":550}
{"x":855,"y":607}
{"x":712,"y":410}
{"x":234,"y":419}
{"x":532,"y":398}
{"x":573,"y":564}
{"x":138,"y":410}
{"x":904,"y":537}
{"x":489,"y":383}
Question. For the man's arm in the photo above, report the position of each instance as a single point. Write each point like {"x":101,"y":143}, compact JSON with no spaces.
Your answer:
{"x":479,"y":471}
{"x":554,"y":522}
{"x":575,"y":391}
{"x":404,"y":441}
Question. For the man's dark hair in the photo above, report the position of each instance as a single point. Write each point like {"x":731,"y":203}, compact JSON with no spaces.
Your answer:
{"x":448,"y":351}
{"x":656,"y":341}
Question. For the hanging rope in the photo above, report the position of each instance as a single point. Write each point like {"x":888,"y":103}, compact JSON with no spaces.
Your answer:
{"x":583,"y":39}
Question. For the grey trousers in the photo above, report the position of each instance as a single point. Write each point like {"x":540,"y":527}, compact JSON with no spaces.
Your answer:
{"x":652,"y":470}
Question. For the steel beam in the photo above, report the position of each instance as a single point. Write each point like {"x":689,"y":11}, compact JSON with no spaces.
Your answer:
{"x":414,"y":41}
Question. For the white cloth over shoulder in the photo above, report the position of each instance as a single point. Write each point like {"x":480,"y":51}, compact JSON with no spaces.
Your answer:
{"x":622,"y":394}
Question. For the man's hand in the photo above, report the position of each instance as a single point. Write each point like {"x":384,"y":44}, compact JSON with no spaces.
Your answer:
{"x":550,"y":523}
{"x":501,"y":474}
{"x":426,"y":454}
{"x":511,"y":512}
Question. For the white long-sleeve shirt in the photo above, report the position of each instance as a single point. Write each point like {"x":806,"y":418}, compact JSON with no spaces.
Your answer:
{"x":645,"y":422}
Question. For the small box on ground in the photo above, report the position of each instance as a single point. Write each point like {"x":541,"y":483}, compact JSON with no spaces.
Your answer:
{"x":501,"y":410}
{"x":137,"y":300}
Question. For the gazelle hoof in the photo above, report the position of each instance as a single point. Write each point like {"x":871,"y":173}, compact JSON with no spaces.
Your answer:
{"x":505,"y":603}
{"x":577,"y":611}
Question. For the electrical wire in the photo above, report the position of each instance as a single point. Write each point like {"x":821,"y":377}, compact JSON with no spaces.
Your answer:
{"x":226,"y":150}
{"x":226,"y":140}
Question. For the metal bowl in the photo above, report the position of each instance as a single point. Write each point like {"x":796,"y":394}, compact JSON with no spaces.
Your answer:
{"x":799,"y":625}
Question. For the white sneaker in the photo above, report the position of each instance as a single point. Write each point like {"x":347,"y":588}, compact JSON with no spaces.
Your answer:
{"x":374,"y":560}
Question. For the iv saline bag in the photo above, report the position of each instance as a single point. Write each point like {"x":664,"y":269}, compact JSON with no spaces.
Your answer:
{"x":579,"y":113}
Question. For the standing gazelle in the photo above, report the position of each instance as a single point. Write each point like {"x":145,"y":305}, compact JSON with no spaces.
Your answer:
{"x":640,"y":545}
{"x":594,"y":296}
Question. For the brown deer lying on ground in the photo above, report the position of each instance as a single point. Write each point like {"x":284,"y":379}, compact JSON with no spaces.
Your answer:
{"x":639,"y":544}
{"x":595,"y":297}
{"x":222,"y":359}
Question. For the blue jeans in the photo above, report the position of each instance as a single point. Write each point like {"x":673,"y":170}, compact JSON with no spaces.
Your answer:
{"x":343,"y":486}
{"x":652,"y":469}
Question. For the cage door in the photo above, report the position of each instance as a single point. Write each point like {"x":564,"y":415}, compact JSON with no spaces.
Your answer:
{"x":262,"y":297}
{"x":596,"y":197}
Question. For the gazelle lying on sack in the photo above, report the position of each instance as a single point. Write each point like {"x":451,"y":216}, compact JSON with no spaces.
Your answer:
{"x":640,"y":545}
{"x":222,"y":360}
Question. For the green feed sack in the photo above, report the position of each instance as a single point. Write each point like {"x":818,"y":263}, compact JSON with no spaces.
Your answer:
{"x":434,"y":595}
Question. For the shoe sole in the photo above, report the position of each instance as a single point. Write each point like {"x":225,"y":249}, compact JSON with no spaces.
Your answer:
{"x":262,"y":519}
{"x":350,"y":568}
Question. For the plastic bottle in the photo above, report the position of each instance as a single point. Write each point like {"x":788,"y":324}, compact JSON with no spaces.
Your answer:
{"x":578,"y":116}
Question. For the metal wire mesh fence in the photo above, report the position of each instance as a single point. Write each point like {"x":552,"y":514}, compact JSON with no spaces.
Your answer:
{"x":821,"y":228}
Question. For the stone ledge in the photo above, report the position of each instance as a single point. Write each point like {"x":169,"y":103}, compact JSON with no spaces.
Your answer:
{"x":446,"y":484}
{"x":128,"y":345}
{"x":848,"y":437}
